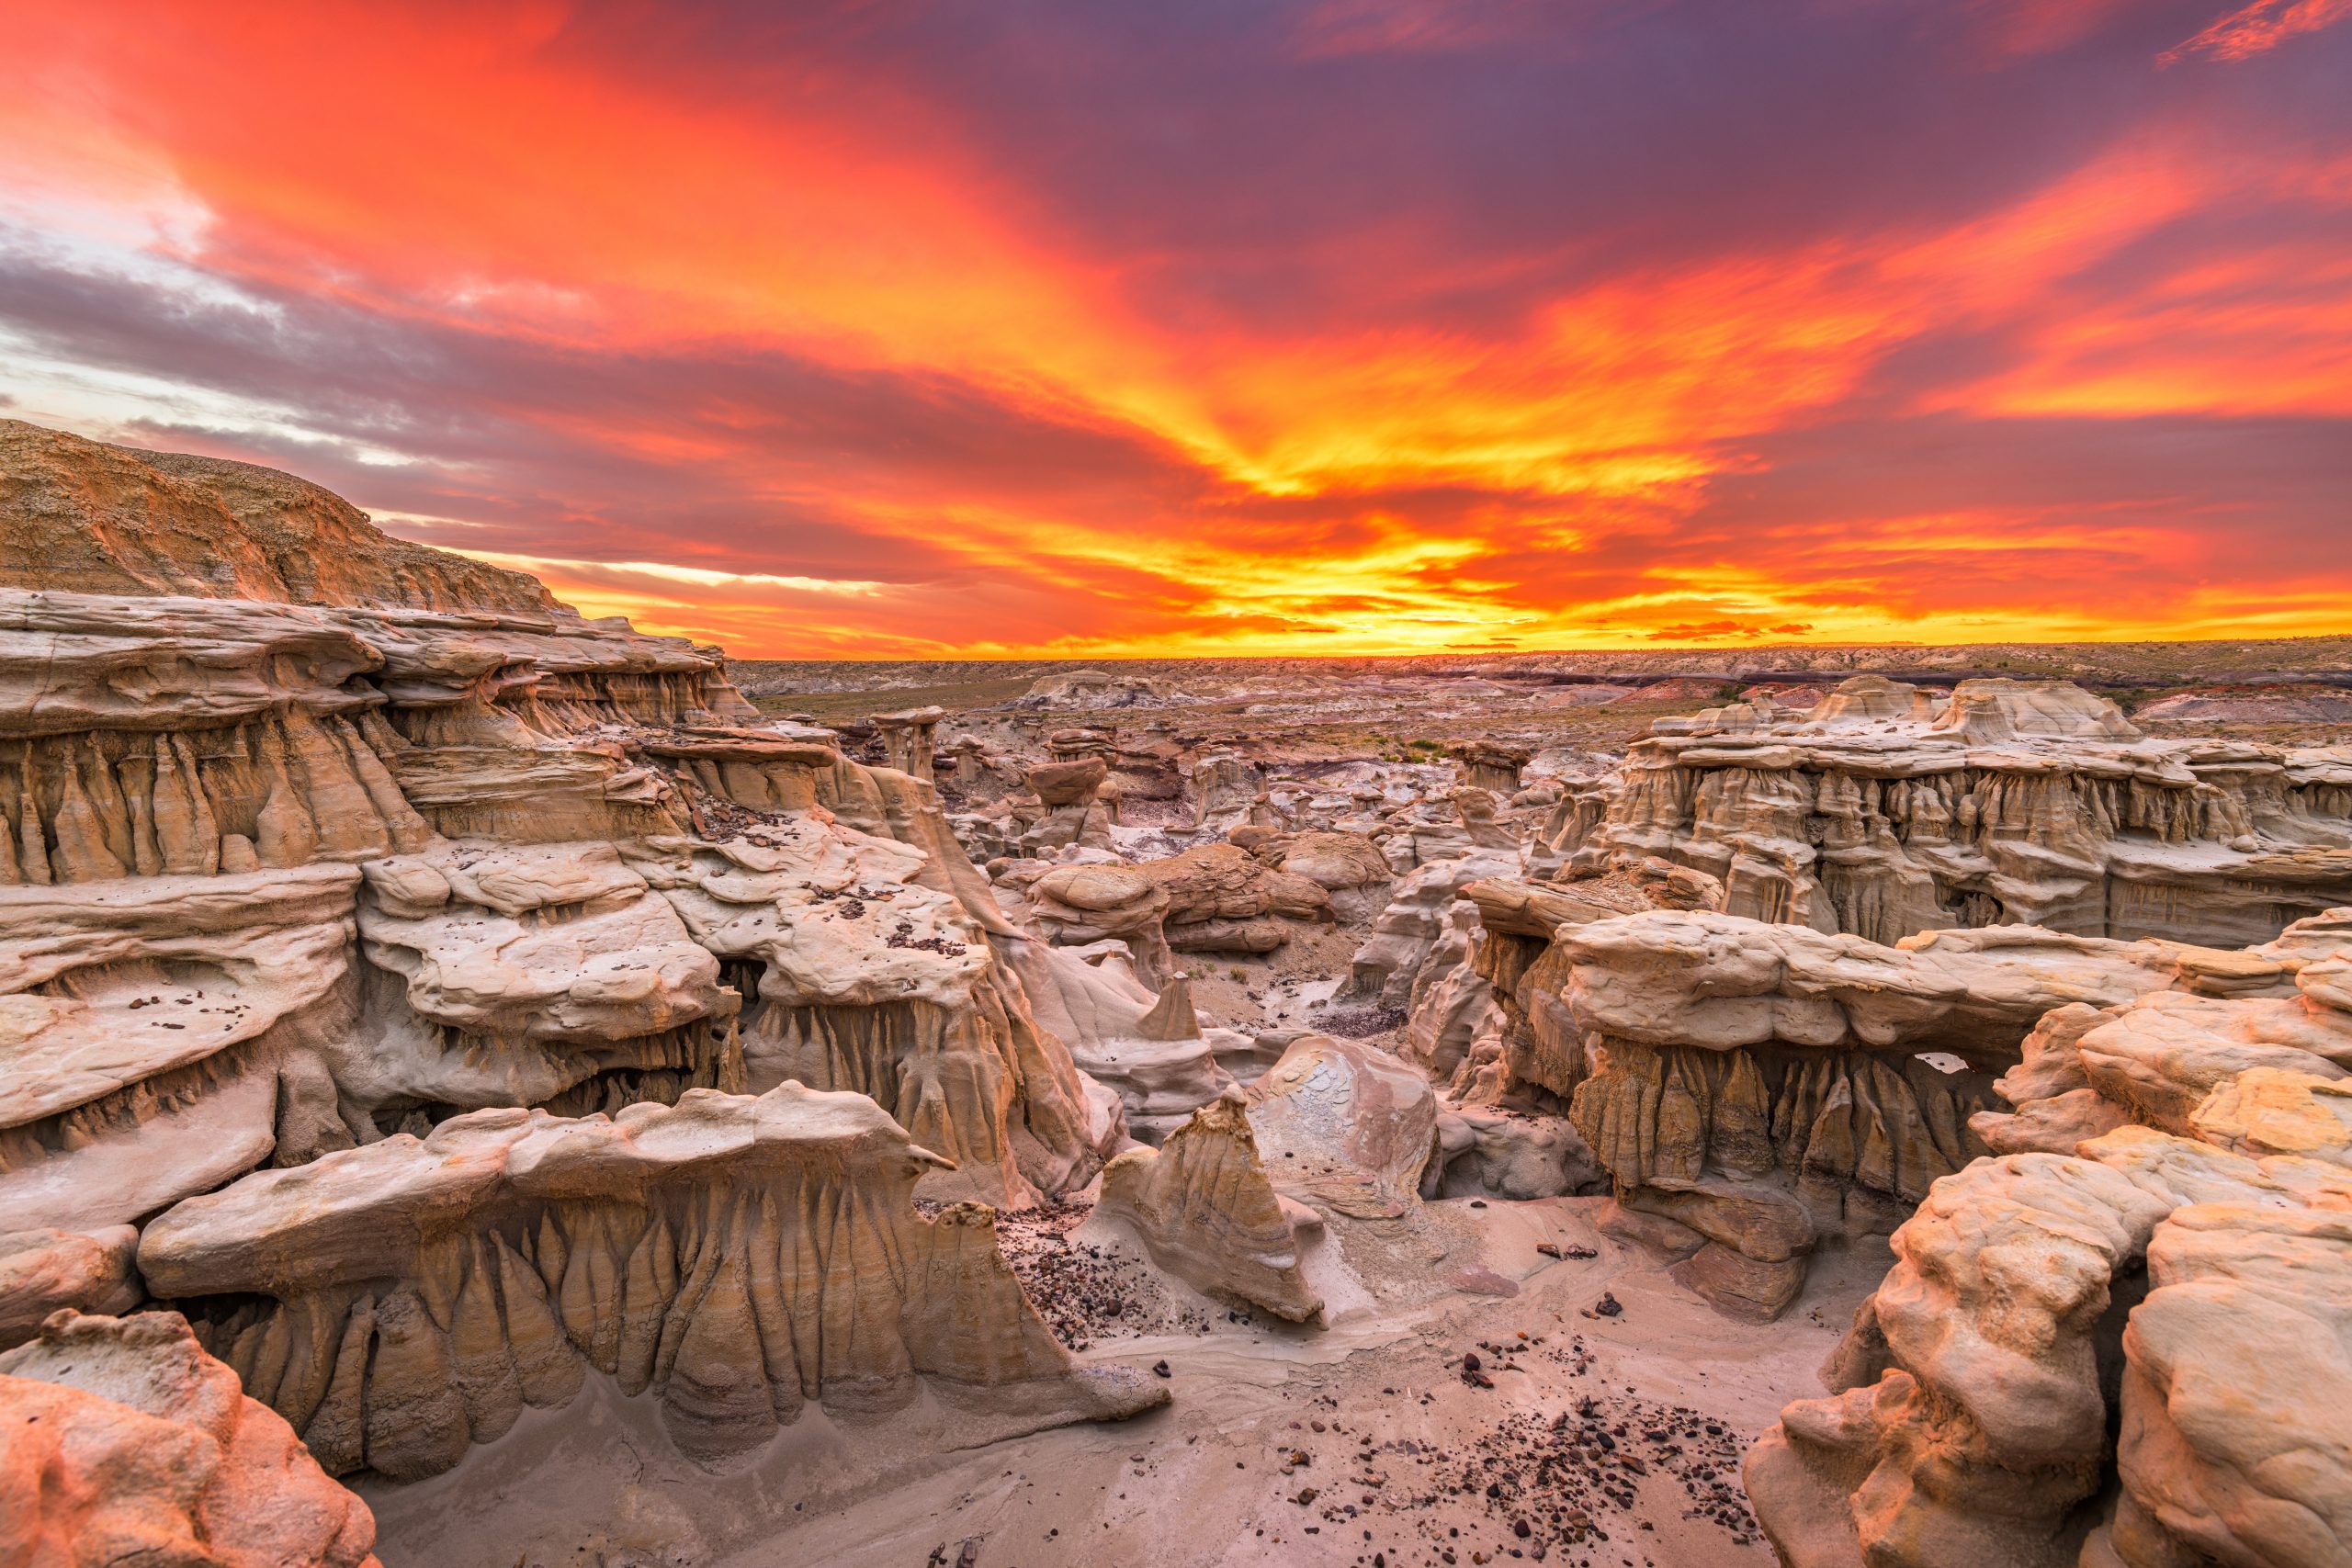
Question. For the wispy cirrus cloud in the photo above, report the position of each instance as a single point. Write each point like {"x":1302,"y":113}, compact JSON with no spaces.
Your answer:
{"x":2264,"y":25}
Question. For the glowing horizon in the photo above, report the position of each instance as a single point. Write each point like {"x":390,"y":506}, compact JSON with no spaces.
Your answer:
{"x":1335,"y":327}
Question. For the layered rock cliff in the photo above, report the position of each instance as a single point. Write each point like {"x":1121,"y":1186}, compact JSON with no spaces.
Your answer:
{"x":1883,"y":812}
{"x":442,"y":997}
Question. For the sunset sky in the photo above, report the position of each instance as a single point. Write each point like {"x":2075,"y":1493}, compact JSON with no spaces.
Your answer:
{"x":1187,"y":326}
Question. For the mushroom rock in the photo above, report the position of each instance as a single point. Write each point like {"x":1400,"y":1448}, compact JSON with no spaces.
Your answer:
{"x":1492,"y":767}
{"x":1076,"y":905}
{"x":735,"y":1258}
{"x":1883,"y":813}
{"x":121,"y":1441}
{"x":1061,"y":810}
{"x":907,"y":738}
{"x":1070,"y":783}
{"x":1206,"y":1212}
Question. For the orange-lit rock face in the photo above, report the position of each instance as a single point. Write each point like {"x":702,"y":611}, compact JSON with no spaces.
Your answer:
{"x":1325,"y":328}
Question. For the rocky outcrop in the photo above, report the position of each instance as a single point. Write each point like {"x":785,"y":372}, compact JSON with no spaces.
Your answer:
{"x":48,"y":1270}
{"x":548,"y":974}
{"x":88,"y":517}
{"x":1229,"y":792}
{"x":859,"y":975}
{"x":122,"y":1442}
{"x":1883,"y":813}
{"x":162,"y":1035}
{"x":1148,"y":1050}
{"x":1205,"y":1210}
{"x":734,"y":1258}
{"x":1396,"y":959}
{"x":1345,"y":1129}
{"x":582,"y":875}
{"x":1764,"y":1086}
{"x":909,"y":739}
{"x":1101,"y":899}
{"x":342,"y":881}
{"x":1223,"y":899}
{"x":1349,"y":867}
{"x":2123,"y":1349}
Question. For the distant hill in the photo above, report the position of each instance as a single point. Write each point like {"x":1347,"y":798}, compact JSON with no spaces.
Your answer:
{"x":88,"y":517}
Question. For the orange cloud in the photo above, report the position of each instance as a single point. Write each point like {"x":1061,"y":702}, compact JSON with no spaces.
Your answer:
{"x":2264,"y":25}
{"x":769,"y":337}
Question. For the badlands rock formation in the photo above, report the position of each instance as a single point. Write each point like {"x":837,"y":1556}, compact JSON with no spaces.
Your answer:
{"x":389,"y":959}
{"x":1205,"y":1208}
{"x":1751,"y":1088}
{"x":1263,"y":1195}
{"x":2126,"y":1349}
{"x":1883,"y":813}
{"x":734,"y":1258}
{"x":284,"y":877}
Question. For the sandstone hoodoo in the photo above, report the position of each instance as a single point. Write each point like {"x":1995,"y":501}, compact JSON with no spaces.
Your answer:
{"x":478,"y":1088}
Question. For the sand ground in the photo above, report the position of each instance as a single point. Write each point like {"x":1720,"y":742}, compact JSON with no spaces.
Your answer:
{"x":1400,"y":1471}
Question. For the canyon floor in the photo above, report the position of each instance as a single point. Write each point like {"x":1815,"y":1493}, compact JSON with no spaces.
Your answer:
{"x":1399,"y":1446}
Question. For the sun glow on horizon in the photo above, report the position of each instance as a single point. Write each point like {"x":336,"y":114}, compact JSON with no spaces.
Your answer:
{"x":830,"y":337}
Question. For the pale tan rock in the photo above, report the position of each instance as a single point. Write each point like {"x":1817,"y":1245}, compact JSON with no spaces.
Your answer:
{"x":1337,"y":863}
{"x":1206,"y":1212}
{"x":145,"y":1026}
{"x":1068,"y":783}
{"x":1883,"y":814}
{"x":736,"y":1257}
{"x":43,"y":1272}
{"x":122,"y":1442}
{"x":908,"y":738}
{"x":1344,"y":1128}
{"x":1985,"y":1435}
{"x":1985,"y":1363}
{"x":1674,"y":977}
{"x":859,"y":977}
{"x":2265,"y":1111}
{"x":1486,"y":1151}
{"x":1148,"y":1050}
{"x":1389,"y":964}
{"x":1076,"y":906}
{"x":1222,"y":900}
{"x":2236,"y":1441}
